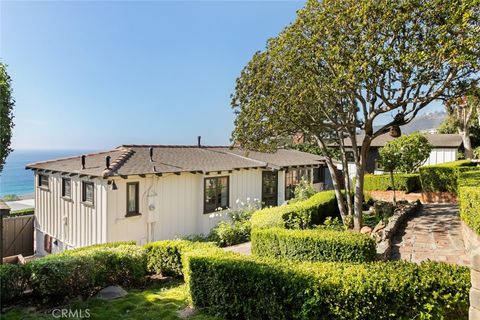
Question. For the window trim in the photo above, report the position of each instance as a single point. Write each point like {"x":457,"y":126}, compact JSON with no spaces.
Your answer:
{"x":47,"y":187}
{"x":65,"y":196}
{"x":84,"y":192}
{"x":205,"y":193}
{"x":137,"y":199}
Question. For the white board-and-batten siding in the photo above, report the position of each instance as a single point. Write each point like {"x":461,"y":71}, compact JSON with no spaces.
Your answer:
{"x":171,"y":206}
{"x":74,"y":223}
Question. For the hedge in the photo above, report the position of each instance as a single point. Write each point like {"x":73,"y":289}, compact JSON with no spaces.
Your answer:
{"x":13,"y":281}
{"x":82,"y":270}
{"x":240,"y":287}
{"x":313,"y":245}
{"x":469,"y":179}
{"x":298,"y":215}
{"x":165,"y":257}
{"x":444,"y":177}
{"x":382,"y":182}
{"x":469,"y":202}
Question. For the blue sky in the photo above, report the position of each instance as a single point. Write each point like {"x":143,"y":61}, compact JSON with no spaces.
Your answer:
{"x":94,"y":75}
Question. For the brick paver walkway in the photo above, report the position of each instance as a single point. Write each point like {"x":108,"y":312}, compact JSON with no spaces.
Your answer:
{"x":434,"y":234}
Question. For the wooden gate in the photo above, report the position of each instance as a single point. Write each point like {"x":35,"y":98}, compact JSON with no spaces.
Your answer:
{"x":18,"y":236}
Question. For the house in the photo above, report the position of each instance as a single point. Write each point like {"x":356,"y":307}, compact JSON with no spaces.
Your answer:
{"x":445,"y":149}
{"x":147,"y":193}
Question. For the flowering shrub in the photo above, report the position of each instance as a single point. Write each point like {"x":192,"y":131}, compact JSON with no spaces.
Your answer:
{"x":238,"y":229}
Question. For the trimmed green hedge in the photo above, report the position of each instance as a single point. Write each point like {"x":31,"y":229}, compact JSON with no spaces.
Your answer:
{"x":13,"y":281}
{"x":403,"y":182}
{"x":298,"y":215}
{"x":469,"y":179}
{"x":239,"y":287}
{"x":445,"y":177}
{"x":469,"y":202}
{"x":80,"y":271}
{"x":313,"y":245}
{"x":165,"y":257}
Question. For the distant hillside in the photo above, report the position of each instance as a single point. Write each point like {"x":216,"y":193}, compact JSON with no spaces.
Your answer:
{"x":426,"y":122}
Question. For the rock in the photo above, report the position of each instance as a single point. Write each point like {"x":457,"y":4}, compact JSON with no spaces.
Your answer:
{"x":187,"y":312}
{"x":110,"y":293}
{"x":366,"y":230}
{"x":380,"y":225}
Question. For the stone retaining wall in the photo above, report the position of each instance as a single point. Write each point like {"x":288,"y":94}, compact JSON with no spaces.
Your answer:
{"x":384,"y":247}
{"x":472,"y":246}
{"x":429,"y":197}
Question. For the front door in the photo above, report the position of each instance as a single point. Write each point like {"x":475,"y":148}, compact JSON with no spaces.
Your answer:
{"x":269,"y":188}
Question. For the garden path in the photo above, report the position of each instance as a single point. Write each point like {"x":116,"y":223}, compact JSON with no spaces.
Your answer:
{"x":432,"y":234}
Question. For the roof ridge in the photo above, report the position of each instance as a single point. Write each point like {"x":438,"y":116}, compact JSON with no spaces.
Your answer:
{"x":245,"y":157}
{"x":72,"y":157}
{"x":117,"y":163}
{"x":170,"y":146}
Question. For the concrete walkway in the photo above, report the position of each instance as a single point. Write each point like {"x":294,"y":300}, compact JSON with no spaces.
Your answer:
{"x":433,"y":234}
{"x":243,"y":248}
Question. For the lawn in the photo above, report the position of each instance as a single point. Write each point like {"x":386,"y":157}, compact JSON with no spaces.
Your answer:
{"x":159,"y":301}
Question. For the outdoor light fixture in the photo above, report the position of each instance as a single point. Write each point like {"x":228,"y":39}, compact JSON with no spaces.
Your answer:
{"x":113,"y":184}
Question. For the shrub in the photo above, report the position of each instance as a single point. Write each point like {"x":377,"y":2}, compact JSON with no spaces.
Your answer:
{"x":230,"y":233}
{"x":22,"y":212}
{"x":82,"y":270}
{"x":165,"y":257}
{"x":13,"y":281}
{"x":313,"y":245}
{"x":239,"y":287}
{"x":469,"y":179}
{"x":298,"y":215}
{"x":237,"y":230}
{"x":444,"y":177}
{"x":304,"y":190}
{"x":469,"y":201}
{"x":382,"y":182}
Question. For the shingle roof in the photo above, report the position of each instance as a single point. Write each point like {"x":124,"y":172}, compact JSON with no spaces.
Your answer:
{"x":437,"y":140}
{"x":135,"y":159}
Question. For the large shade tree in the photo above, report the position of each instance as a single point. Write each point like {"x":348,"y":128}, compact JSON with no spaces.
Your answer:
{"x":344,"y":63}
{"x":6,"y":117}
{"x":463,"y":113}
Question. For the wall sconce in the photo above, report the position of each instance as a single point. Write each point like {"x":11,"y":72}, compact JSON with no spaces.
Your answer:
{"x":113,"y":184}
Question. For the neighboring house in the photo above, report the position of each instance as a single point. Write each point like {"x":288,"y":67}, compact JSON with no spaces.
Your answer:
{"x":445,"y":149}
{"x":148,"y":193}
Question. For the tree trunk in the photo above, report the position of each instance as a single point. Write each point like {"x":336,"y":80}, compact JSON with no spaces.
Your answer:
{"x":333,"y":173}
{"x":392,"y":180}
{"x":359,"y":177}
{"x":467,"y":143}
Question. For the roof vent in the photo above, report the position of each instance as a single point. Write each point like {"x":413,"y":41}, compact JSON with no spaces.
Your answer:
{"x":83,"y":162}
{"x":107,"y":162}
{"x":151,"y":154}
{"x":199,"y":141}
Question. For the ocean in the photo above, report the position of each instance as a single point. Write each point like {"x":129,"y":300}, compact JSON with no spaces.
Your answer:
{"x":15,"y":179}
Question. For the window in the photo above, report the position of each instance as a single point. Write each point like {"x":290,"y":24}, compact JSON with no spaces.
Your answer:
{"x":350,"y":156}
{"x":318,"y":175}
{"x":216,"y":194}
{"x":43,"y":181}
{"x":132,"y":199}
{"x":87,"y":192}
{"x":66,"y":187}
{"x":293,"y":178}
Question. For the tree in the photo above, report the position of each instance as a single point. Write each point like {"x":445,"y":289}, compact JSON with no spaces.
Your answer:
{"x":342,"y":64}
{"x":404,"y":154}
{"x":462,"y":111}
{"x":6,"y":115}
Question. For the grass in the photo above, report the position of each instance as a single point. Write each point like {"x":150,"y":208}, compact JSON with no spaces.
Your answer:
{"x":159,"y":301}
